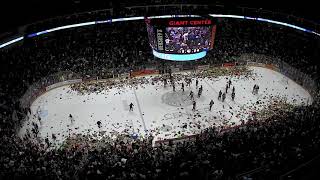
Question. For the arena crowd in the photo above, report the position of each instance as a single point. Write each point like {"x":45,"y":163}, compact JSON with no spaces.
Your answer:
{"x":273,"y":146}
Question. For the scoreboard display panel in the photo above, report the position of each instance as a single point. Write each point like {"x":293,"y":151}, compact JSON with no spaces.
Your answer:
{"x":181,"y":40}
{"x":180,"y":37}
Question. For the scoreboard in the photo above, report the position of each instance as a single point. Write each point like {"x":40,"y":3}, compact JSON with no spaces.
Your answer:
{"x":180,"y":39}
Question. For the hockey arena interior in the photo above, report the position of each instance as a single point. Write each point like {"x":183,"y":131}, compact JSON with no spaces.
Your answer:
{"x":164,"y":91}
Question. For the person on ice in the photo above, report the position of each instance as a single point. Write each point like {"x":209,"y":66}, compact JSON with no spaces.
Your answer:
{"x":200,"y":92}
{"x":71,"y":118}
{"x":233,"y":94}
{"x":99,"y":124}
{"x":130,"y":107}
{"x":54,"y":137}
{"x":211,"y":104}
{"x":223,"y":97}
{"x":197,"y":82}
{"x":182,"y":87}
{"x":227,"y":87}
{"x":257,"y":89}
{"x":220,"y":93}
{"x":254,"y":89}
{"x":194,"y":105}
{"x":229,"y":83}
{"x":191,"y":95}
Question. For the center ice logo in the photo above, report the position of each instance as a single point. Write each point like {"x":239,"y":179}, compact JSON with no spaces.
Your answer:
{"x":178,"y":98}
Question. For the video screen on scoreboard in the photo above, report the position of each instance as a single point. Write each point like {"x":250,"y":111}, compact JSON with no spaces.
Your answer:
{"x":187,"y":40}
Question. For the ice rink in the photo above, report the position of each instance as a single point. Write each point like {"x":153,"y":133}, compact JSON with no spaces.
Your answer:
{"x":158,"y":110}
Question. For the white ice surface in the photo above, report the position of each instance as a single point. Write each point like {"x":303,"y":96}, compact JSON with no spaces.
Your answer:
{"x":150,"y":113}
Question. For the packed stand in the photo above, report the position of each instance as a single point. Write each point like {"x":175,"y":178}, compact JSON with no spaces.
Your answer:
{"x":277,"y":144}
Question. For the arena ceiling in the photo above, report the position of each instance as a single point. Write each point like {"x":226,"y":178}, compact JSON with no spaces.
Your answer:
{"x":16,"y":13}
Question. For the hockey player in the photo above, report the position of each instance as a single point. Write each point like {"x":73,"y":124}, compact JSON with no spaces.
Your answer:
{"x":200,"y":92}
{"x":182,"y":87}
{"x":220,"y":93}
{"x":223,"y":97}
{"x":229,"y":83}
{"x":257,"y":89}
{"x":191,"y":95}
{"x":99,"y":124}
{"x":254,"y":89}
{"x":71,"y":118}
{"x":194,"y":105}
{"x":233,"y":94}
{"x":227,"y":87}
{"x":233,"y":89}
{"x":130,"y":107}
{"x":54,"y":137}
{"x":197,"y":82}
{"x":211,"y":104}
{"x":173,"y":87}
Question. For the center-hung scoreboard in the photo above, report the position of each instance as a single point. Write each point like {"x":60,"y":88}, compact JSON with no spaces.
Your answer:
{"x":181,"y":38}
